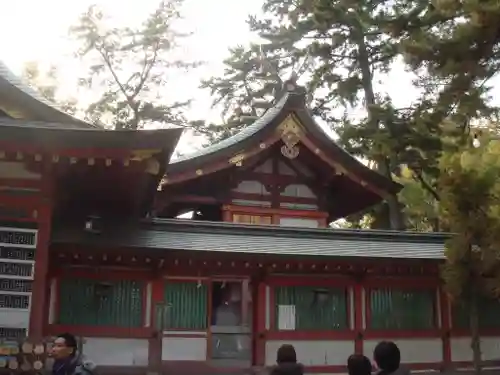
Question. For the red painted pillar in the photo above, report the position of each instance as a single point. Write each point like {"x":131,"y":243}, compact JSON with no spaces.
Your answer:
{"x":445,"y":327}
{"x":358,"y":317}
{"x":260,"y":323}
{"x":155,"y":341}
{"x":40,"y":292}
{"x":39,"y":296}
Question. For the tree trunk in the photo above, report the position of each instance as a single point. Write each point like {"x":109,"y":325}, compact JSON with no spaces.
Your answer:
{"x":475,"y":337}
{"x":396,"y":219}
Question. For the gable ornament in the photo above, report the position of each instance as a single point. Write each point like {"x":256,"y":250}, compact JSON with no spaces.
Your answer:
{"x":291,"y":134}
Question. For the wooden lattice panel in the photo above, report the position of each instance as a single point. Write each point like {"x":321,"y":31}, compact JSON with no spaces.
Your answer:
{"x":18,"y":237}
{"x":17,"y":260}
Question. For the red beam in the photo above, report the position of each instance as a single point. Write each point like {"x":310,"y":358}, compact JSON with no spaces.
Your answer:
{"x":271,"y":179}
{"x":21,"y":183}
{"x":311,"y":335}
{"x":103,"y":274}
{"x":237,"y":195}
{"x":267,"y":198}
{"x":223,"y":163}
{"x":193,"y":199}
{"x":11,"y":200}
{"x":331,"y":281}
{"x":90,"y":152}
{"x":98,"y":331}
{"x":274,"y":211}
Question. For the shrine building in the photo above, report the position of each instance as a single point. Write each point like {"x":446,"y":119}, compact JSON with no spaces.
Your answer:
{"x":96,"y":239}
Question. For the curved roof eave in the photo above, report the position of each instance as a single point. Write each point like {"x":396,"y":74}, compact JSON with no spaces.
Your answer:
{"x":246,"y":133}
{"x":294,"y":102}
{"x":47,"y":135}
{"x":343,"y":157}
{"x":37,"y":102}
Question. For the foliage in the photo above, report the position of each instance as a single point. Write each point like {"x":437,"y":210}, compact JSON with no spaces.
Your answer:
{"x":456,"y":44}
{"x":129,"y":66}
{"x":420,"y":208}
{"x":454,"y":48}
{"x":46,"y":83}
{"x":251,"y":76}
{"x":340,"y":48}
{"x":470,"y":208}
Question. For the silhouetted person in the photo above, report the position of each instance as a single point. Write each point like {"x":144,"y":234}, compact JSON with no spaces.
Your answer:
{"x":67,"y":360}
{"x":286,"y":360}
{"x":358,"y":364}
{"x":388,"y":359}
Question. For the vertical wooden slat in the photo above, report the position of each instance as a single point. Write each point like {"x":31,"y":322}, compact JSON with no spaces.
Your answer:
{"x":121,"y":306}
{"x":187,"y":305}
{"x":311,"y":314}
{"x":402,"y":309}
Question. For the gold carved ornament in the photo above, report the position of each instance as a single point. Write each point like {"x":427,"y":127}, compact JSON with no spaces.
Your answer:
{"x":237,"y":160}
{"x":291,"y":134}
{"x":147,"y":155}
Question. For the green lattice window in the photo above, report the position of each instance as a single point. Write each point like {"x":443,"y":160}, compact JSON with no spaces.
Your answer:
{"x":187,"y":305}
{"x":489,"y":313}
{"x":91,"y":302}
{"x":308,"y":308}
{"x":402,"y":309}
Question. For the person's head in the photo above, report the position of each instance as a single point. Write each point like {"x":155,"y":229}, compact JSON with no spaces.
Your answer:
{"x":286,"y":354}
{"x":358,"y":364}
{"x":387,"y":356}
{"x":64,"y":346}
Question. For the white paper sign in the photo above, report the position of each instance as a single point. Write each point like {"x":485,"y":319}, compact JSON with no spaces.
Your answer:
{"x":286,"y":317}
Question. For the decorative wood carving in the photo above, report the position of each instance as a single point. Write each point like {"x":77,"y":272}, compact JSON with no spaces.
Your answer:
{"x":140,"y":155}
{"x":237,"y":160}
{"x":291,"y":134}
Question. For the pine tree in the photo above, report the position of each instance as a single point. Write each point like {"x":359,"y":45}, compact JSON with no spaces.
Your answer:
{"x":252,"y":78}
{"x":347,"y":47}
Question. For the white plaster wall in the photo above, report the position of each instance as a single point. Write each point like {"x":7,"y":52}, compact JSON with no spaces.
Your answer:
{"x":266,"y":167}
{"x":298,"y":190}
{"x":15,"y":169}
{"x":462,"y":352}
{"x":285,"y":169}
{"x":14,"y":318}
{"x":251,"y":187}
{"x":184,"y":349}
{"x":116,"y":352}
{"x":314,"y":352}
{"x":428,"y":350}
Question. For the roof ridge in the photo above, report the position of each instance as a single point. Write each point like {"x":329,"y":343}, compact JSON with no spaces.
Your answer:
{"x":277,"y":230}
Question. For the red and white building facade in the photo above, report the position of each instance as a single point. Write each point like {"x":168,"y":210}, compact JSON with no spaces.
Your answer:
{"x":91,"y":242}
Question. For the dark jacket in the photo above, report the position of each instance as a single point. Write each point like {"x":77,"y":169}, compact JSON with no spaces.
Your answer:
{"x":287,"y":369}
{"x":77,"y":365}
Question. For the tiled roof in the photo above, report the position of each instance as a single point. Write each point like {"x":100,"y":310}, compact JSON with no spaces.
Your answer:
{"x":190,"y":235}
{"x":32,"y":95}
{"x":6,"y":121}
{"x":247,"y":132}
{"x":46,"y":134}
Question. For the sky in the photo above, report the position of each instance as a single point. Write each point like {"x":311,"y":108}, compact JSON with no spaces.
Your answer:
{"x":35,"y":30}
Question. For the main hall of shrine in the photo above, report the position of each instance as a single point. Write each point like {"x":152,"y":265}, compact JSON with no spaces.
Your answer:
{"x":211,"y":261}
